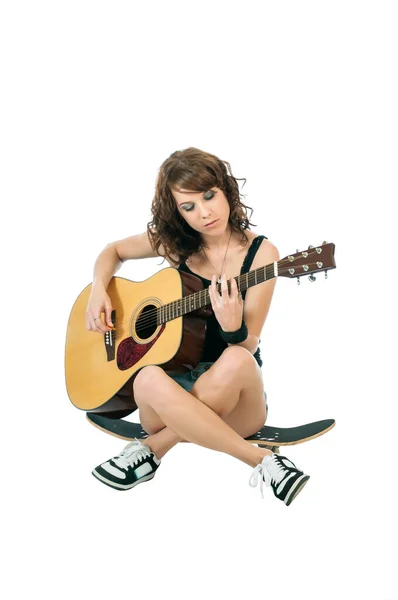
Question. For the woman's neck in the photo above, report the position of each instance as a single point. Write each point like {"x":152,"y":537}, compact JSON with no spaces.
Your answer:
{"x":217,"y":243}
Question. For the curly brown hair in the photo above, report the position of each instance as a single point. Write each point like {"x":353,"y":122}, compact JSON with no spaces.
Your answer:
{"x":198,"y":171}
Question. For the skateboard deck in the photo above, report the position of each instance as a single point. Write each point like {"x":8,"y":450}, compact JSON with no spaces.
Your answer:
{"x":267,"y":436}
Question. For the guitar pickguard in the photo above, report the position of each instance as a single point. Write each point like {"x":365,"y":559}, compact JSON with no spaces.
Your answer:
{"x":129,"y":352}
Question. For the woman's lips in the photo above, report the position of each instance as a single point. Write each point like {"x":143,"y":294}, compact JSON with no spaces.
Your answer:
{"x":212,"y":223}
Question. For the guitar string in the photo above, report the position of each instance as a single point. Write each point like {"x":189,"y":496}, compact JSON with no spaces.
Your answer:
{"x":149,"y":319}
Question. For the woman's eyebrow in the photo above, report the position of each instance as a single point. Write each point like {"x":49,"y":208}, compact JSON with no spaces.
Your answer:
{"x":188,"y":192}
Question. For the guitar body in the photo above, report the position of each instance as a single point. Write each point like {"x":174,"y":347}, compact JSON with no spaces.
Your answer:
{"x":100,"y":369}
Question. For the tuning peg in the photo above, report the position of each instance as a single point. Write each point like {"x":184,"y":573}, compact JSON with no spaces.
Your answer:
{"x":310,"y":247}
{"x":312,"y":278}
{"x":326,"y":274}
{"x":323,"y":243}
{"x":298,"y":281}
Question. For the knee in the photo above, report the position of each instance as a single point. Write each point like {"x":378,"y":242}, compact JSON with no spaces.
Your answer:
{"x":235,"y":365}
{"x":147,"y":379}
{"x":238,"y":358}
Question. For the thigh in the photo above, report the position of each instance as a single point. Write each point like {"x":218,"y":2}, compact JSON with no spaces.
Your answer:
{"x":149,"y":418}
{"x":234,"y":389}
{"x":249,"y":415}
{"x":214,"y":386}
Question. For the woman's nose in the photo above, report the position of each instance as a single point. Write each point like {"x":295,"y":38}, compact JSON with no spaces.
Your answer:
{"x":205,"y":212}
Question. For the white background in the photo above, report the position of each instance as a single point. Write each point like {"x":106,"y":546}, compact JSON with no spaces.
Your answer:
{"x":301,"y":99}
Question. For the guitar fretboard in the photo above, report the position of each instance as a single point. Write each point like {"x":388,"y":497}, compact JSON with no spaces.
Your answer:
{"x":192,"y":302}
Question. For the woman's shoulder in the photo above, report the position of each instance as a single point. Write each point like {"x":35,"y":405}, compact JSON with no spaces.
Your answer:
{"x":264,"y":245}
{"x":252,"y":235}
{"x":267,"y":250}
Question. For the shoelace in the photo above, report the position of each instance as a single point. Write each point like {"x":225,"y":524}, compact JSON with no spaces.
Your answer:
{"x":131,"y":454}
{"x":272,"y":471}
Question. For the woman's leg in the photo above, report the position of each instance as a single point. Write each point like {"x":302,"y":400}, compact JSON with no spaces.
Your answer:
{"x":234,"y":381}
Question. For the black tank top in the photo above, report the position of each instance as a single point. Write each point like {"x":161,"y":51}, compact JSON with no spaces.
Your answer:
{"x":214,"y":344}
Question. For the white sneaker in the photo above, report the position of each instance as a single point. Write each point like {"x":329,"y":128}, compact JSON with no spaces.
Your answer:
{"x":282,"y":475}
{"x":135,"y":464}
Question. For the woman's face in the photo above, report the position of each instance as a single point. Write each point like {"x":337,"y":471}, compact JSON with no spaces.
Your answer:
{"x":201,"y":208}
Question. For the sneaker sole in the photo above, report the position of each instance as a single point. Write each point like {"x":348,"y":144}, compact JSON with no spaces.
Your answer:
{"x":296,"y":489}
{"x":119,"y":486}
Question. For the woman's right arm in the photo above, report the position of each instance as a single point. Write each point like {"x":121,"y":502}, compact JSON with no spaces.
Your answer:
{"x":108,"y":262}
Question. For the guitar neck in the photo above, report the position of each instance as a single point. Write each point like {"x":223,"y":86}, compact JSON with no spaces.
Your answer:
{"x":193,"y":302}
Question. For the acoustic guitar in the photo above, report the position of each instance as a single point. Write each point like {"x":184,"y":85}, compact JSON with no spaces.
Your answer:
{"x":159,"y":321}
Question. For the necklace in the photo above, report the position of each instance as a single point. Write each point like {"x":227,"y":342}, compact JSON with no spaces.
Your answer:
{"x":225,"y":256}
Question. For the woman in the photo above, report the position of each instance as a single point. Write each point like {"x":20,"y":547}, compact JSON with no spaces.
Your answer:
{"x":200,"y":226}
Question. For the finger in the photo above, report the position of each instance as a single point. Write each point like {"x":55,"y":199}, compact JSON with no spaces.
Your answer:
{"x":99,"y":326}
{"x":91,"y":324}
{"x":89,"y":319}
{"x":234,"y":288}
{"x":214,"y":285}
{"x":224,"y":285}
{"x":108,"y":313}
{"x":97,"y":323}
{"x":212,"y":291}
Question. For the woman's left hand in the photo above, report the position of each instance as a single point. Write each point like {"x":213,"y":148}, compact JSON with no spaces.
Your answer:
{"x":228,"y":307}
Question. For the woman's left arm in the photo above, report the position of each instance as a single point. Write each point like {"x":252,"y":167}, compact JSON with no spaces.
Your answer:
{"x":258,"y":298}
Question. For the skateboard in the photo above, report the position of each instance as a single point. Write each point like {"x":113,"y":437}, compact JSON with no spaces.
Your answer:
{"x":271,"y":437}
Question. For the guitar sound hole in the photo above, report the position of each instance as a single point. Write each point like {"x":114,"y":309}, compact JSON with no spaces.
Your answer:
{"x":146,"y":323}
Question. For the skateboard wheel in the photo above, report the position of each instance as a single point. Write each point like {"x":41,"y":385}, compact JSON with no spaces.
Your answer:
{"x":272,"y":448}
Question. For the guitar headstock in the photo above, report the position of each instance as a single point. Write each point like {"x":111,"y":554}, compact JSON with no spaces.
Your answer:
{"x":313,"y":260}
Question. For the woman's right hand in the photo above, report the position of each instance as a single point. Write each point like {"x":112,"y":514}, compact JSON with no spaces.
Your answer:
{"x":99,"y":302}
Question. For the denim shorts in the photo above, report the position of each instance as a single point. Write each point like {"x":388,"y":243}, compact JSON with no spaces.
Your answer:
{"x":187,"y":380}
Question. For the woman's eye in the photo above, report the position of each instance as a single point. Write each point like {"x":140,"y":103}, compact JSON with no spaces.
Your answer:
{"x":208,"y":196}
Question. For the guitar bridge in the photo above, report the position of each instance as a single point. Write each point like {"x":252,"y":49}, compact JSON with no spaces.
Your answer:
{"x":109,"y":339}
